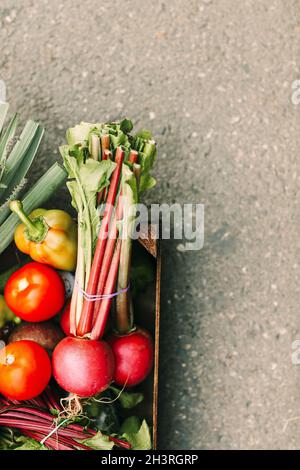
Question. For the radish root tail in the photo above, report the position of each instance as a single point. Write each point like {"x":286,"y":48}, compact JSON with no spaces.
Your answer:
{"x":71,"y":406}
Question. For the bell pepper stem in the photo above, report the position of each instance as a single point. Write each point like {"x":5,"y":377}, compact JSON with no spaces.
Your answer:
{"x":34,"y":229}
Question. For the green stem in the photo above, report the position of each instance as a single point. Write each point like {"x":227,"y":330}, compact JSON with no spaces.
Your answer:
{"x":124,"y":315}
{"x":80,"y":277}
{"x":36,"y":230}
{"x":86,"y":234}
{"x":95,"y":147}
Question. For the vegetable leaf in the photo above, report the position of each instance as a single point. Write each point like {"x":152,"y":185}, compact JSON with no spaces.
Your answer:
{"x":88,"y":178}
{"x":10,"y":441}
{"x":147,"y":182}
{"x":6,"y":438}
{"x":26,"y":443}
{"x":98,"y":442}
{"x":79,"y":134}
{"x":138,"y":436}
{"x":144,"y":134}
{"x":126,"y":126}
{"x":127,"y":400}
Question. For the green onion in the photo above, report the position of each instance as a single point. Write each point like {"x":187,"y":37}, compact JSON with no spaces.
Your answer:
{"x":18,"y":165}
{"x":21,"y":157}
{"x":8,"y":137}
{"x":3,"y":111}
{"x":36,"y":197}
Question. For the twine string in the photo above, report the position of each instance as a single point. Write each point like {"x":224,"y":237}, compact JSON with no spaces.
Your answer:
{"x":53,"y":431}
{"x":96,"y":297}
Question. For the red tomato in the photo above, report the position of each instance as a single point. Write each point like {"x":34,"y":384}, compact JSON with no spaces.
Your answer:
{"x":35,"y":292}
{"x":25,"y":370}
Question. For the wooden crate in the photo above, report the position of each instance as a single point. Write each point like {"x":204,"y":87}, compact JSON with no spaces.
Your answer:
{"x":147,"y":315}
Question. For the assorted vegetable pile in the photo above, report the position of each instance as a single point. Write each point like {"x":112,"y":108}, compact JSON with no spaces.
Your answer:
{"x":67,"y":326}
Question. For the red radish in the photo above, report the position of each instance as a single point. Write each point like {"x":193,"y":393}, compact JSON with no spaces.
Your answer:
{"x":83,"y":367}
{"x":133,"y":349}
{"x":133,"y":355}
{"x":65,"y":320}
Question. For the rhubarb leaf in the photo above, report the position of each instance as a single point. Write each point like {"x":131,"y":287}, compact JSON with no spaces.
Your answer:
{"x":144,"y":134}
{"x":146,"y":182}
{"x":147,"y":154}
{"x":79,"y":134}
{"x":87,"y":179}
{"x":126,"y":126}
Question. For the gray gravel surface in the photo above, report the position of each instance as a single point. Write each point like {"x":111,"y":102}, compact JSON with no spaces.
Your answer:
{"x":212,"y":78}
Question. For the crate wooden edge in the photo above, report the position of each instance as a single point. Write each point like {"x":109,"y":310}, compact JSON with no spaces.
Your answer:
{"x":150,"y":241}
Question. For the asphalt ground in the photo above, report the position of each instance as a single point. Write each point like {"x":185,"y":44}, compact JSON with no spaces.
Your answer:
{"x":212,"y":79}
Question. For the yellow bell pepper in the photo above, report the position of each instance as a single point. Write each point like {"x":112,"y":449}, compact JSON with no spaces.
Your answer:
{"x":47,"y":236}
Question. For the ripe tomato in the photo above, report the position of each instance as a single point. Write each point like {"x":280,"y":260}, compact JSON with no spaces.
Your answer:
{"x":25,"y":370}
{"x":35,"y":292}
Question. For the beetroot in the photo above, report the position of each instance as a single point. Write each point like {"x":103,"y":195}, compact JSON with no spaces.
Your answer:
{"x":83,"y":367}
{"x":133,"y":356}
{"x":46,"y":334}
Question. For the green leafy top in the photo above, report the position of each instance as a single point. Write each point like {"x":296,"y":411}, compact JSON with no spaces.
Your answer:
{"x":86,"y":178}
{"x":119,"y":132}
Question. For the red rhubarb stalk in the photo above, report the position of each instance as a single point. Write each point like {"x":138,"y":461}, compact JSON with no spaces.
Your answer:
{"x":103,"y":194}
{"x":120,"y":443}
{"x":133,"y":156}
{"x":109,"y":252}
{"x":102,"y":314}
{"x":106,"y":154}
{"x":85,"y":322}
{"x":105,"y":141}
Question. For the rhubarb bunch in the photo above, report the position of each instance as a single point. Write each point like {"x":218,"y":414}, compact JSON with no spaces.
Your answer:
{"x":108,"y":169}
